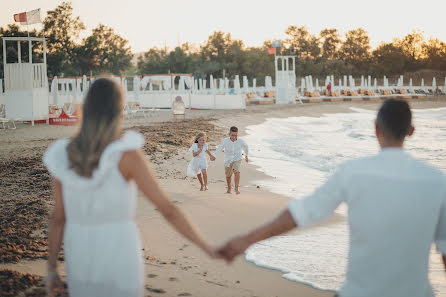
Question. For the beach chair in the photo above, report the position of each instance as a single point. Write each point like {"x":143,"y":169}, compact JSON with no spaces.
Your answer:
{"x":178,"y":108}
{"x":4,"y":122}
{"x":2,"y":111}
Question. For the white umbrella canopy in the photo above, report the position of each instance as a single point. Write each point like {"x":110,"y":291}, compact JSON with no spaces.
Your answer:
{"x":254,"y":83}
{"x":84,"y":84}
{"x":195,"y":85}
{"x":302,"y":84}
{"x":221,"y":83}
{"x":317,"y":84}
{"x":268,"y":82}
{"x":422,"y":84}
{"x":434,"y":83}
{"x":375,"y":84}
{"x":245,"y":82}
{"x":237,"y":83}
{"x":211,"y":82}
{"x":410,"y":86}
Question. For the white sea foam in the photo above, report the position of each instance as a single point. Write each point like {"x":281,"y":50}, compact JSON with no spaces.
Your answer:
{"x":300,"y":153}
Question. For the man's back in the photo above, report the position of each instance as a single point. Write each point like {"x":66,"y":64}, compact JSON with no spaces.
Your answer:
{"x":394,"y":209}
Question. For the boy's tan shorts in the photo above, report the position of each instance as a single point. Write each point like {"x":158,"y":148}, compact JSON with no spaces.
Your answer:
{"x":234,"y":166}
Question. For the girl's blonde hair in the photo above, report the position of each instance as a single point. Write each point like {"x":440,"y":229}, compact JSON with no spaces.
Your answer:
{"x":101,"y":124}
{"x":199,"y":135}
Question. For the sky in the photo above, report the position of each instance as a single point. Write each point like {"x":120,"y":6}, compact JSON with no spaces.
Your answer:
{"x":148,"y":23}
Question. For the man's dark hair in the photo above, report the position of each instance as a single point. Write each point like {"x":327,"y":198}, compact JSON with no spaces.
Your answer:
{"x":394,"y":119}
{"x":233,"y":129}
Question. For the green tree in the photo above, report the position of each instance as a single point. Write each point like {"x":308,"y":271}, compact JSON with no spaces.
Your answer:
{"x":104,"y":51}
{"x":61,"y":30}
{"x":356,"y":46}
{"x":331,"y":42}
{"x":435,"y":54}
{"x":388,"y":59}
{"x":306,"y":45}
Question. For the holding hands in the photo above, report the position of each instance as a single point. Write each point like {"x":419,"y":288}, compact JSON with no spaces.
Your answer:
{"x":233,"y":248}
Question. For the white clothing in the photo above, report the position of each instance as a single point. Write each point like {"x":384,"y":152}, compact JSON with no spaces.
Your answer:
{"x":101,"y":240}
{"x":396,"y":209}
{"x":233,"y":150}
{"x":198,"y":163}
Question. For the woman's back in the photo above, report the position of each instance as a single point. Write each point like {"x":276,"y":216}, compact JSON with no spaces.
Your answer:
{"x":101,"y":240}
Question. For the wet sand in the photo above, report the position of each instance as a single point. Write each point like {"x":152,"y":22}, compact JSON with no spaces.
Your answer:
{"x":173,"y":266}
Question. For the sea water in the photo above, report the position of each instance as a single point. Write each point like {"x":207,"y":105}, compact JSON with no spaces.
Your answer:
{"x":300,"y":153}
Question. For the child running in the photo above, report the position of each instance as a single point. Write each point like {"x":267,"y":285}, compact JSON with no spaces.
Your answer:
{"x":233,"y":147}
{"x":198,"y":165}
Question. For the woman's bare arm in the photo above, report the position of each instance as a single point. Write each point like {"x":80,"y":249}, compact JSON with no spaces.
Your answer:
{"x":134,"y":166}
{"x":197,"y":153}
{"x":56,"y":226}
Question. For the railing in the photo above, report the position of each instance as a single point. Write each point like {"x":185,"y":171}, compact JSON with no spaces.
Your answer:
{"x":23,"y":76}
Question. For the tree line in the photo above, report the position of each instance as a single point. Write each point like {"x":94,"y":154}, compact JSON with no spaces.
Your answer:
{"x":327,"y":53}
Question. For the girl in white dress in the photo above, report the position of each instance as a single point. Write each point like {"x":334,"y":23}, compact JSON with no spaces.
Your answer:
{"x":96,"y":175}
{"x":198,"y":165}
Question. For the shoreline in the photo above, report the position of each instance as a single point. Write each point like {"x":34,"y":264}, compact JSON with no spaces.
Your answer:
{"x":173,"y":266}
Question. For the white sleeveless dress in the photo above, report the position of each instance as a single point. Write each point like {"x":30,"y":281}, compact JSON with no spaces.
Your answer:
{"x":101,"y":240}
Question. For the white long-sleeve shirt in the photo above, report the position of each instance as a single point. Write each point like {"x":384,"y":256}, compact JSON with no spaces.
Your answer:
{"x":233,"y":150}
{"x":396,"y":210}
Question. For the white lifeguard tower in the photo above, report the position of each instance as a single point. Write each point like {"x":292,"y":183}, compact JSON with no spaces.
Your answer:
{"x":285,"y":79}
{"x":26,"y":83}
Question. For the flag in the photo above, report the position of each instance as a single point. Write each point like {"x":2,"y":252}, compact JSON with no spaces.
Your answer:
{"x":271,"y":51}
{"x":28,"y":18}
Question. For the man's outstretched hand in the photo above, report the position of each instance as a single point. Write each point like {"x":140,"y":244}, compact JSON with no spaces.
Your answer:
{"x":233,"y":248}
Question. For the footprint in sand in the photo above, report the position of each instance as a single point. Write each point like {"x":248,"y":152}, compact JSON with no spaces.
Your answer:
{"x":185,"y":294}
{"x":152,"y":275}
{"x":153,"y":290}
{"x":173,"y":279}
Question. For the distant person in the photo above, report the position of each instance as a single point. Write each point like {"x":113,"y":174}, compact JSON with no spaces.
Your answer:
{"x":396,"y":210}
{"x":96,"y":175}
{"x":329,"y":88}
{"x":198,"y":165}
{"x":233,"y":147}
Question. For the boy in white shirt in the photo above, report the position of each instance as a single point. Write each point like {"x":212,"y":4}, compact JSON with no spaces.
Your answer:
{"x":396,"y":211}
{"x":233,"y":147}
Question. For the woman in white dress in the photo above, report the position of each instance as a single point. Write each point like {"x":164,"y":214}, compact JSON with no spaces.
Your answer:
{"x":96,"y":175}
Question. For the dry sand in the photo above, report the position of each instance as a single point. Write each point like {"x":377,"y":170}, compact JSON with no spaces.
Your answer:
{"x":174,"y":267}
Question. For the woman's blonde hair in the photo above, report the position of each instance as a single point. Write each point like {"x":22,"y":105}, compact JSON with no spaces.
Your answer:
{"x":199,"y":135}
{"x":101,"y":125}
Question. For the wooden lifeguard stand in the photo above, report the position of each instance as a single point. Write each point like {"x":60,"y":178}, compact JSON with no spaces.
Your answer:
{"x":26,"y":83}
{"x":285,"y":79}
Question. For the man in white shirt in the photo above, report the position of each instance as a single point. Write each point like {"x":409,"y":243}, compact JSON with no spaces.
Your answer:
{"x":233,"y":148}
{"x":396,"y":210}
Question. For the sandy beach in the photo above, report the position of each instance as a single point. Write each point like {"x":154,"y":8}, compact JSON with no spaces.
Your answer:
{"x":173,"y":266}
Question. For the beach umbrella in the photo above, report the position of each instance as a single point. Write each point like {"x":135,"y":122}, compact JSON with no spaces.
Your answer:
{"x":422,"y":84}
{"x":317,"y":84}
{"x":375,"y":84}
{"x":245,"y":83}
{"x":369,"y":82}
{"x":181,"y":84}
{"x":339,"y":86}
{"x":200,"y":84}
{"x":268,"y":83}
{"x":434,"y":84}
{"x":204,"y":84}
{"x":211,"y":82}
{"x":345,"y":81}
{"x":195,"y":85}
{"x":221,"y":84}
{"x":362,"y":82}
{"x":410,"y":86}
{"x":84,"y":84}
{"x":237,"y":84}
{"x":55,"y":90}
{"x":254,"y":83}
{"x":302,"y":84}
